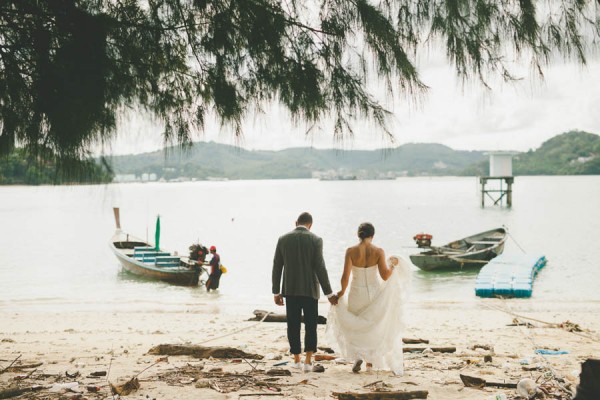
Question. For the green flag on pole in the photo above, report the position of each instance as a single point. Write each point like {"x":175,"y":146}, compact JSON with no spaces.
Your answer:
{"x":157,"y":233}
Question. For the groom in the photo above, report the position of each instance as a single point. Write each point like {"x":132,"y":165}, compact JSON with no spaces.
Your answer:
{"x":299,"y":258}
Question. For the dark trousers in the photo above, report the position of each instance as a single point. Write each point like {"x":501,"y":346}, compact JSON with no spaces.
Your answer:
{"x":295,"y":306}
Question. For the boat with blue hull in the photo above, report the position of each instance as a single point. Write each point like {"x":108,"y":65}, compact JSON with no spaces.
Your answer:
{"x":140,"y":258}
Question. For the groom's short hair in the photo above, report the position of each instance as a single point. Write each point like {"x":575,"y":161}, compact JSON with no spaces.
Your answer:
{"x":305,"y":219}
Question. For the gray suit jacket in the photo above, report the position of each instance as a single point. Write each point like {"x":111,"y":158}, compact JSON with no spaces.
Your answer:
{"x":299,"y":258}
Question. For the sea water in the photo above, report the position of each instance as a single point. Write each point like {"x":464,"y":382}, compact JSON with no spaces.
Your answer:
{"x":54,"y":252}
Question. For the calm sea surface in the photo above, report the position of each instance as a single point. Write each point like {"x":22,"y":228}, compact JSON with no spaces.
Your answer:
{"x":54,"y":252}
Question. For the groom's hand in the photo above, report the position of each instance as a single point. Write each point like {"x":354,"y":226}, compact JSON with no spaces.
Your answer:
{"x":333,"y":300}
{"x":278,"y":299}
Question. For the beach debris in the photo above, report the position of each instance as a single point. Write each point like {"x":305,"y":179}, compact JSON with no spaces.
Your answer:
{"x":570,"y":326}
{"x":93,"y":388}
{"x":518,"y":322}
{"x":126,"y":388}
{"x":64,"y":387}
{"x":327,"y":350}
{"x":433,"y":349}
{"x":487,"y":358}
{"x":527,"y":388}
{"x":318,"y":368}
{"x":487,"y":347}
{"x":98,"y":373}
{"x":475,"y":382}
{"x":551,"y":352}
{"x":17,"y":391}
{"x":7,"y":340}
{"x":414,"y":341}
{"x":201,"y":351}
{"x":498,"y":396}
{"x":279,"y":372}
{"x":72,"y":374}
{"x":324,"y":357}
{"x":261,"y":315}
{"x":16,"y":368}
{"x":279,"y":364}
{"x":379,"y":395}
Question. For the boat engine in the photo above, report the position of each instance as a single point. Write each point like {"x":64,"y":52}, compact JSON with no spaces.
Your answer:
{"x":423,"y":239}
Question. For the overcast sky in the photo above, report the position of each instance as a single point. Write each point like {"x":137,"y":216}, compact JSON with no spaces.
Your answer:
{"x":517,"y":116}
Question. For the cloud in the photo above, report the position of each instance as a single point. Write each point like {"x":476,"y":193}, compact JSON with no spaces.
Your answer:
{"x":515,"y":116}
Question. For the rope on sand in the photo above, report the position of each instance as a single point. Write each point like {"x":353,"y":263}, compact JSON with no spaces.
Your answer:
{"x":553,"y":324}
{"x":238,"y":330}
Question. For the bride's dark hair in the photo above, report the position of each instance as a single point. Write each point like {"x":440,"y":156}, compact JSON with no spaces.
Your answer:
{"x":366,"y":230}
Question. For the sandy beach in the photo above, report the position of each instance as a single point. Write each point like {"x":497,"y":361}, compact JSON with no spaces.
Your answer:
{"x":118,"y":343}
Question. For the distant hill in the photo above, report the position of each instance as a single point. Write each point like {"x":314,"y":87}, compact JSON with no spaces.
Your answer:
{"x":570,"y":153}
{"x":566,"y":154}
{"x":212,"y":160}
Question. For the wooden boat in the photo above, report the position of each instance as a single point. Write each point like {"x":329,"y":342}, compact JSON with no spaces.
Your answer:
{"x":140,"y":258}
{"x":471,"y":252}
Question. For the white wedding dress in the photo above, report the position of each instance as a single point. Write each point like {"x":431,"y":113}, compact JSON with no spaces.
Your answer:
{"x":367,"y":324}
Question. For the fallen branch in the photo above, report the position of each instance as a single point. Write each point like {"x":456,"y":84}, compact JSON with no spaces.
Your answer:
{"x":14,"y":392}
{"x":414,"y":341}
{"x":10,"y":365}
{"x":418,"y":394}
{"x":201,"y":352}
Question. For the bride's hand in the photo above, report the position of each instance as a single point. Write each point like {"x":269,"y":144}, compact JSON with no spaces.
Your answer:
{"x":340,"y":294}
{"x":393,"y":261}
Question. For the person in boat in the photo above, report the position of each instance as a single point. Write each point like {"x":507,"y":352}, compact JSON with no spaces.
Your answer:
{"x":215,"y":270}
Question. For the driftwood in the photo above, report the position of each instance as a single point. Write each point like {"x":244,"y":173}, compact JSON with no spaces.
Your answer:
{"x":10,"y":365}
{"x":473,"y":381}
{"x":260,"y":314}
{"x":414,"y":341}
{"x":14,"y":392}
{"x":201,"y":352}
{"x":434,"y":349}
{"x":418,"y":394}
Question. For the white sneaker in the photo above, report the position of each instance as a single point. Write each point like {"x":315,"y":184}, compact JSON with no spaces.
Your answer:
{"x":307,"y":367}
{"x":297,"y":366}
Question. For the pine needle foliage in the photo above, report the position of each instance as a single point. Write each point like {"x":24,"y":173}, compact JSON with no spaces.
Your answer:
{"x":68,"y":68}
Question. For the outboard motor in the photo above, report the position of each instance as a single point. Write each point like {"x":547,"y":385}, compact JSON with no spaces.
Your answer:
{"x":423,"y":239}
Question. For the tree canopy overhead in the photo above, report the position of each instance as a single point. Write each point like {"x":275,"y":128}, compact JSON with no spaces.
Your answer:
{"x":68,"y":68}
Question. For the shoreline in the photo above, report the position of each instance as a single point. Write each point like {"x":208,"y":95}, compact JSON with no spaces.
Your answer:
{"x":118,"y":342}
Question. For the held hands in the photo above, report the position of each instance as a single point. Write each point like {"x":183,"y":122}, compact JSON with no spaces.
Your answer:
{"x":278,"y":299}
{"x":333,"y":300}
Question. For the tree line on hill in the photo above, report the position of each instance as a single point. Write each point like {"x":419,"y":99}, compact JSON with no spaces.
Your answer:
{"x":571,"y":153}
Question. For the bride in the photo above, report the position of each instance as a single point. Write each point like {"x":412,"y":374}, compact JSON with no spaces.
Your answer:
{"x":367,"y":324}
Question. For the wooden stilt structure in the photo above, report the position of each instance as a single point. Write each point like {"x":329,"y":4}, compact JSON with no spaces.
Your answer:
{"x":495,"y":194}
{"x":501,"y":172}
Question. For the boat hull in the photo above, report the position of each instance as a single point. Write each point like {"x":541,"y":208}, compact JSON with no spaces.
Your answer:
{"x":182,"y":275}
{"x":468,"y":253}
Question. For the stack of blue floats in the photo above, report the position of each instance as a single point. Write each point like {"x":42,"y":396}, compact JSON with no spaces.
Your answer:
{"x":509,"y":275}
